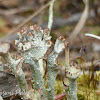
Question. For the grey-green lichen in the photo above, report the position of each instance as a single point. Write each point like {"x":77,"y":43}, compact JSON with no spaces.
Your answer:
{"x":33,"y":44}
{"x":53,"y":68}
{"x":14,"y":66}
{"x":72,"y":74}
{"x":37,"y":76}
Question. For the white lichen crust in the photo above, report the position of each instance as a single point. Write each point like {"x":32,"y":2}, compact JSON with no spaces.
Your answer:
{"x":14,"y":65}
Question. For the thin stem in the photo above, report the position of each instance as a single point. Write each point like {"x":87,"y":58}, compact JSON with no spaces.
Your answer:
{"x":52,"y":73}
{"x":50,"y":21}
{"x":15,"y":67}
{"x":72,"y":93}
{"x":51,"y":14}
{"x":53,"y":68}
{"x":37,"y":76}
{"x":67,"y":53}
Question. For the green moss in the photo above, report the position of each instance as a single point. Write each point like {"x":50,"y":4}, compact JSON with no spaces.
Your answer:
{"x":57,"y":14}
{"x":96,"y":30}
{"x":56,"y":9}
{"x":81,"y":80}
{"x":53,"y":36}
{"x":93,"y":29}
{"x":2,"y":22}
{"x":62,"y":63}
{"x":1,"y":34}
{"x":81,"y":97}
{"x":98,"y":75}
{"x":59,"y":87}
{"x":66,"y":29}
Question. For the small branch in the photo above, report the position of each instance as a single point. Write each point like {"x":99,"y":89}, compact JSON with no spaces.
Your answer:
{"x":60,"y":96}
{"x":92,"y":35}
{"x":51,"y":14}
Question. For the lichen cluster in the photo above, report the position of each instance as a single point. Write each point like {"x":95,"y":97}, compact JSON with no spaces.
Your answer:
{"x":33,"y":44}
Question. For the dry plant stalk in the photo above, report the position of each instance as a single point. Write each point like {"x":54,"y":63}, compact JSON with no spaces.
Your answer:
{"x":81,"y":22}
{"x":72,"y":73}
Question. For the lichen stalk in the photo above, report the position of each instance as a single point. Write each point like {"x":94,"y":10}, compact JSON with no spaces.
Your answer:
{"x":72,"y":93}
{"x":52,"y":73}
{"x":11,"y":63}
{"x":72,"y":74}
{"x":15,"y":68}
{"x":36,"y":76}
{"x":53,"y":68}
{"x":20,"y":76}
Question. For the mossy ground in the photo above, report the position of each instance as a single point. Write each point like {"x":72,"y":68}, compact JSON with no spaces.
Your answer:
{"x":84,"y":92}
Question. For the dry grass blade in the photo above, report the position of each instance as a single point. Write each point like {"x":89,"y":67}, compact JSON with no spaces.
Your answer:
{"x":81,"y":22}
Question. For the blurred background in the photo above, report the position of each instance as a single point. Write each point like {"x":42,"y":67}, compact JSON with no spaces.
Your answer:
{"x":67,"y":14}
{"x":71,"y":19}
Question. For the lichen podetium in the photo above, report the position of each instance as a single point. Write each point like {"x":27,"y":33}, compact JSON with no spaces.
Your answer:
{"x":72,"y":74}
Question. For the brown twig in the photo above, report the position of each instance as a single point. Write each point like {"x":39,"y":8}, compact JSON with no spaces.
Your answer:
{"x":60,"y":96}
